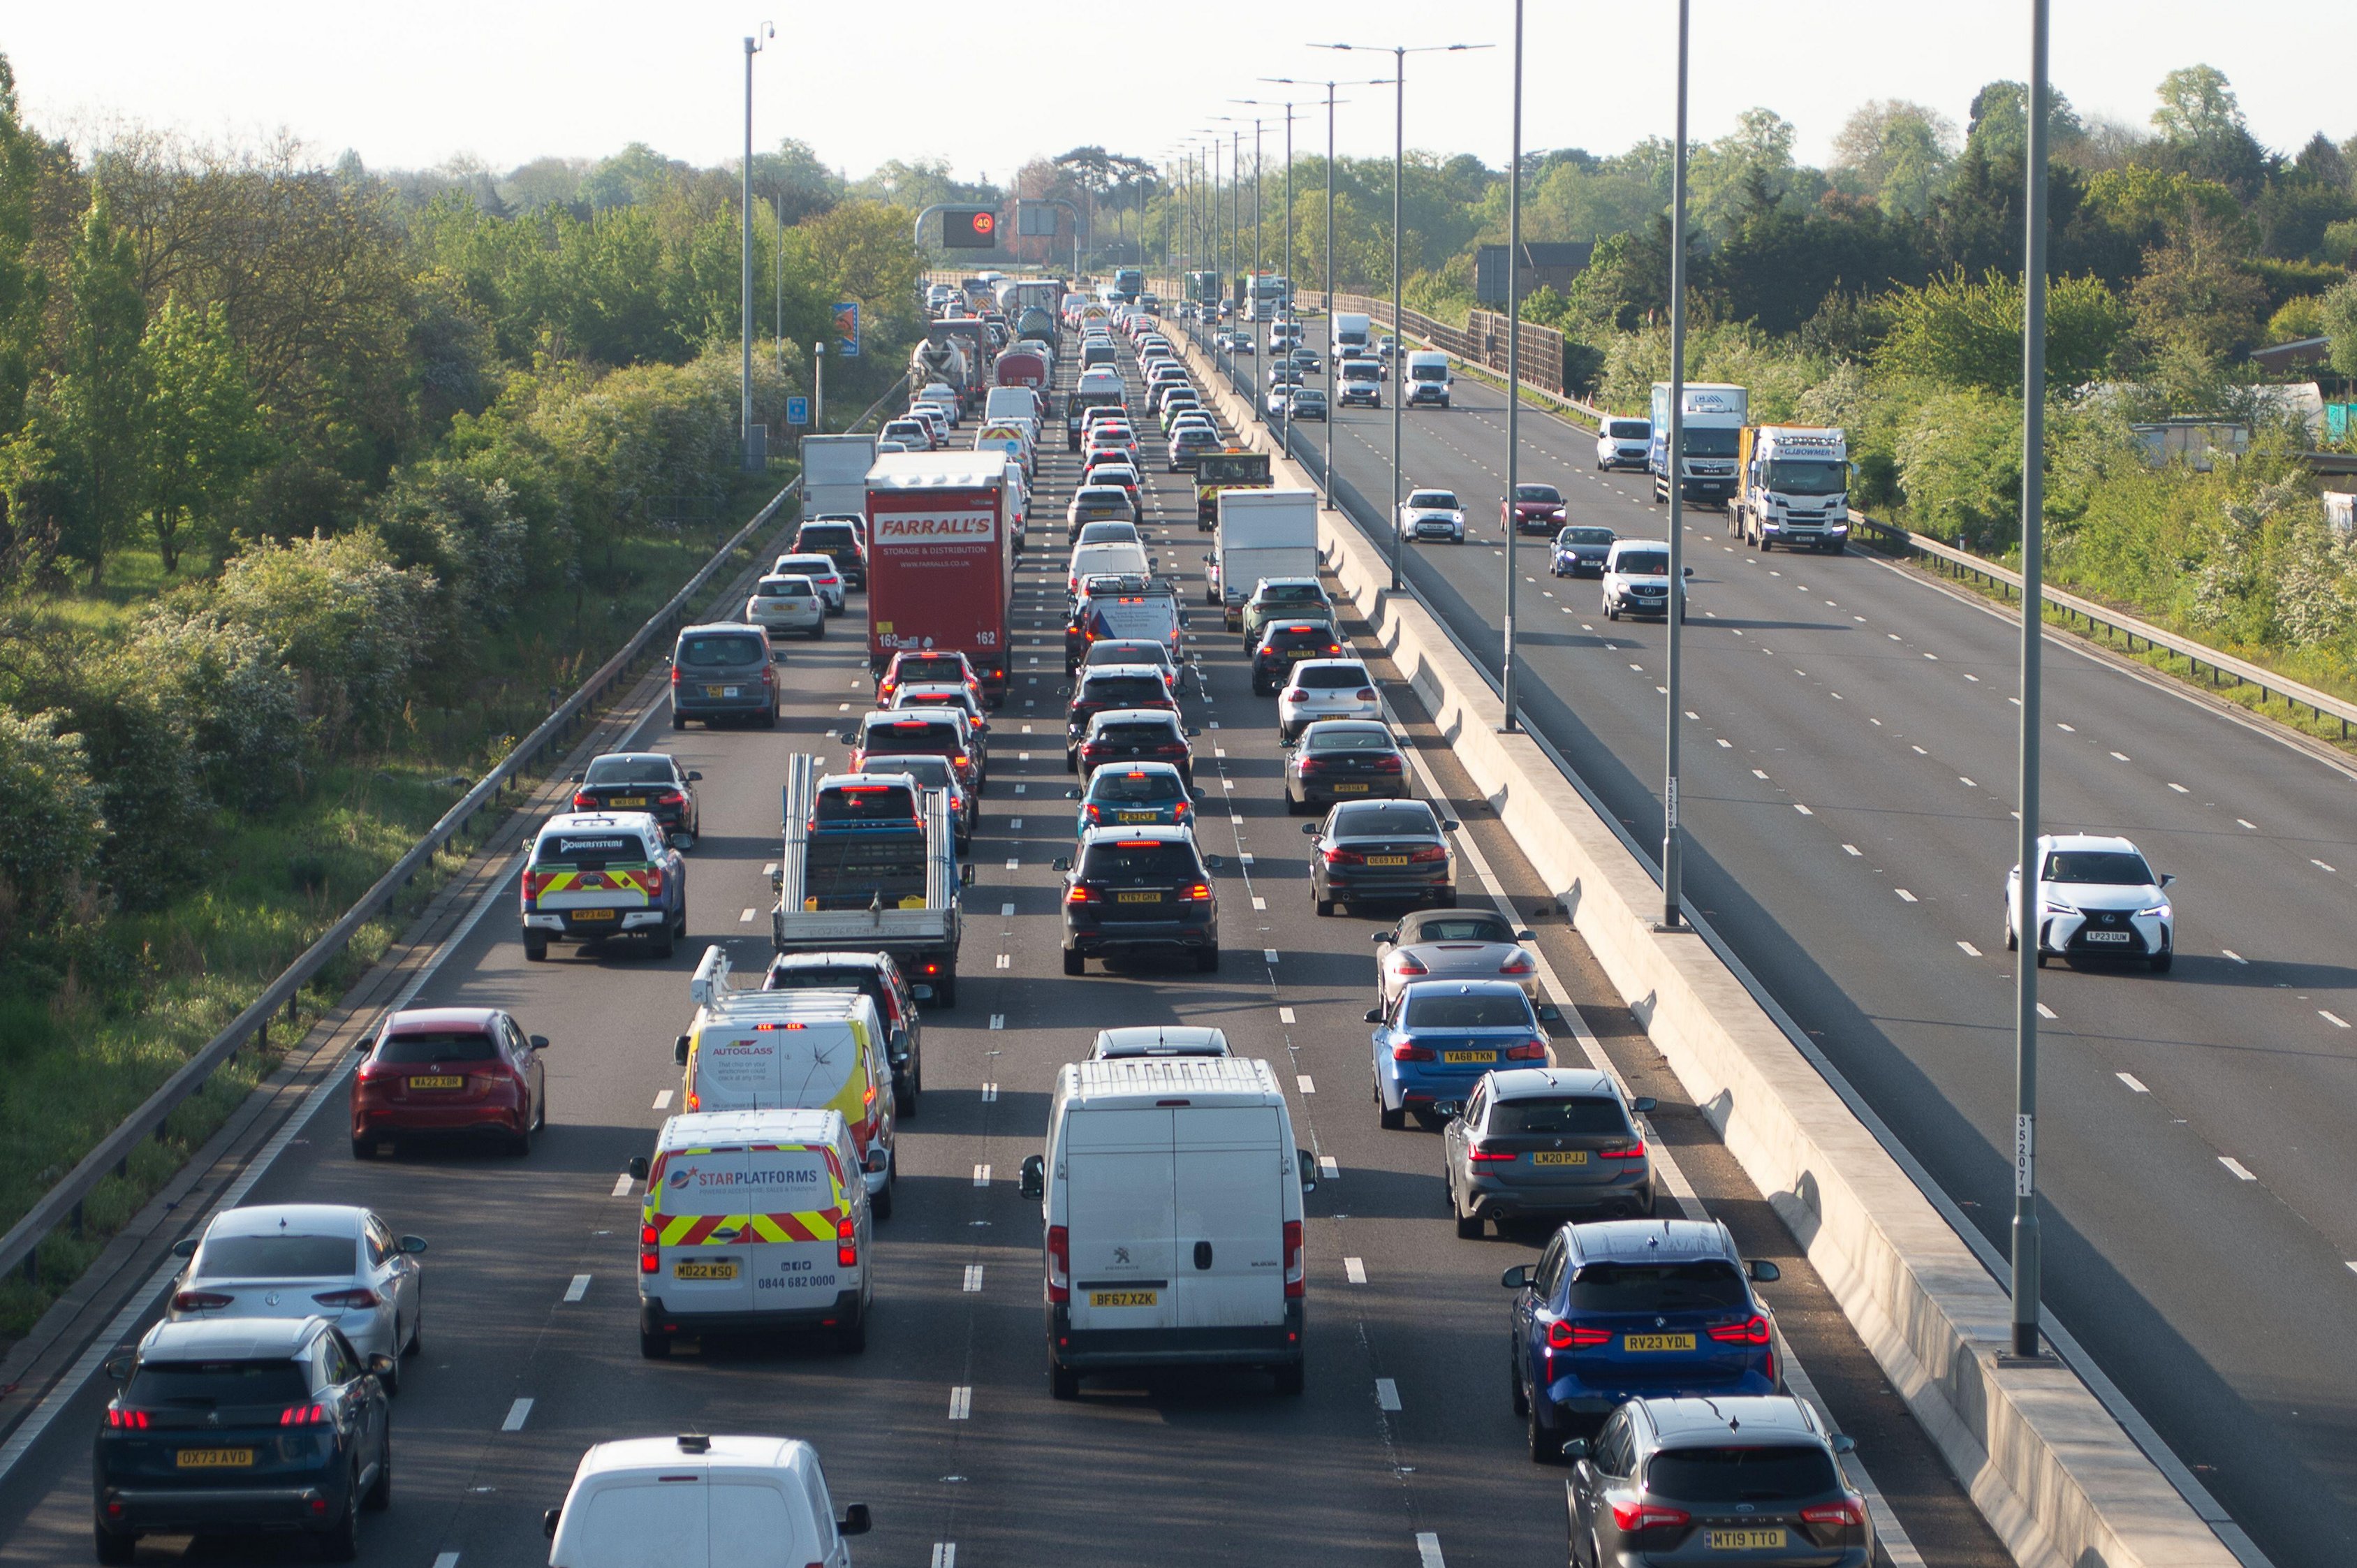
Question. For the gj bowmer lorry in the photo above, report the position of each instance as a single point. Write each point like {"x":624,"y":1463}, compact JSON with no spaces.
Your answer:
{"x":1795,"y":487}
{"x":1714,"y":417}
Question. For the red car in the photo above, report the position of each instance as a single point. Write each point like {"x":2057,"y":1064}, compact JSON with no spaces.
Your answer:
{"x":450,"y":1070}
{"x":1535,"y":509}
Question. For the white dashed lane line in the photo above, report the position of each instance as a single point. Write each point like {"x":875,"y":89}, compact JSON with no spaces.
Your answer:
{"x":518,"y":1413}
{"x":2135,"y":1084}
{"x":578,"y":1288}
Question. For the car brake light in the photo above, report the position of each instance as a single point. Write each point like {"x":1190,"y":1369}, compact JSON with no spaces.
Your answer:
{"x":1078,"y":893}
{"x":846,"y":1243}
{"x":1408,"y":964}
{"x":303,"y":1415}
{"x":127,"y":1420}
{"x":649,"y":1259}
{"x":1635,"y":1150}
{"x":1561,"y":1336}
{"x":1059,"y":1263}
{"x":1629,"y":1514}
{"x":1365,"y":693}
{"x":199,"y":1301}
{"x":1407,"y":1053}
{"x":1481,"y":1156}
{"x":674,"y":674}
{"x":1392,"y":762}
{"x":1295,"y":1278}
{"x":1343,"y":857}
{"x":349,"y":1300}
{"x":1520,"y":964}
{"x":1528,"y":1051}
{"x":1296,"y":694}
{"x":583,"y":801}
{"x":1850,"y":1511}
{"x":1752,"y":1331}
{"x":1196,"y":894}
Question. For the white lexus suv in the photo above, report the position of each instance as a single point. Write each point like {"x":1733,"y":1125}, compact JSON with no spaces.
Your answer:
{"x":2097,"y":898}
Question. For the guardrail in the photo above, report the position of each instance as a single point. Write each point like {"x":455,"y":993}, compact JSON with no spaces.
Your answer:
{"x":2216,"y":669}
{"x":62,"y":1204}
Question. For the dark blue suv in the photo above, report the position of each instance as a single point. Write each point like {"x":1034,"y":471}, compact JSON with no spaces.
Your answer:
{"x":1633,"y":1308}
{"x":266,"y":1424}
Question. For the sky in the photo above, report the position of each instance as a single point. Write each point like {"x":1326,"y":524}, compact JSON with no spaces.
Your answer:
{"x":420,"y":82}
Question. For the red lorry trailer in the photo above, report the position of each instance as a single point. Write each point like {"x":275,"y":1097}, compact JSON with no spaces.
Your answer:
{"x":941,"y":560}
{"x":1021,"y":368}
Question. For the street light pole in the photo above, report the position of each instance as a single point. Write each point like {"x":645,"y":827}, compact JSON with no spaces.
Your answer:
{"x":2026,"y":912}
{"x":1672,"y":871}
{"x":1513,"y":363}
{"x":1332,"y":383}
{"x":745,"y":260}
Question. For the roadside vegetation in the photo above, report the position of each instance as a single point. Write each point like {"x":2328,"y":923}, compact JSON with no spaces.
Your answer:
{"x":316,"y":485}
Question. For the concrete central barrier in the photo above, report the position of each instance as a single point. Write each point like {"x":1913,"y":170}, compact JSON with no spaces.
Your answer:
{"x":2059,"y":1480}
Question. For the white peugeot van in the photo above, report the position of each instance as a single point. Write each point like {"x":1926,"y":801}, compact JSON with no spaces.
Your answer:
{"x":754,"y":1222}
{"x":693,"y":1502}
{"x":1171,"y":1197}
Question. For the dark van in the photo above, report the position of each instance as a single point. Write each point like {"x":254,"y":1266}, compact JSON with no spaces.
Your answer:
{"x":723,"y":670}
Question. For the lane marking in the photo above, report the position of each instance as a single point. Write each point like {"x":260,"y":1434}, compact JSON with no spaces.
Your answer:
{"x":663,"y":1101}
{"x":1006,"y":909}
{"x":622,"y":1185}
{"x":2243,"y":822}
{"x":447,"y":1560}
{"x":2318,"y":863}
{"x":1013,"y":863}
{"x":1259,"y":902}
{"x":1970,"y":950}
{"x":1387,"y":1394}
{"x":1802,"y":809}
{"x":2242,"y":1172}
{"x":1966,"y":782}
{"x":1758,"y":773}
{"x":517,"y":1414}
{"x":2335,"y":1019}
{"x":2044,"y":1011}
{"x":2231,"y":953}
{"x":2180,"y":789}
{"x":982,"y":1176}
{"x":973,"y":1279}
{"x":1850,"y":849}
{"x":1307,"y":1086}
{"x":1006,"y":960}
{"x":1723,"y":742}
{"x":1428,"y":1544}
{"x":1015,"y":823}
{"x":1285,"y":1015}
{"x":2134,"y":1082}
{"x":2119,"y":756}
{"x":944,"y":1554}
{"x":746,"y":919}
{"x":1904,"y":894}
{"x":1328,"y":1168}
{"x":989,"y":1093}
{"x":1355,"y":1270}
{"x":998,"y":1020}
{"x":1269,"y":954}
{"x":578,"y":1288}
{"x":962,"y":1401}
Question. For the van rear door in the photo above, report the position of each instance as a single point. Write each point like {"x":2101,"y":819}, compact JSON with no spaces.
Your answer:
{"x":792,"y":1203}
{"x":696,"y":1204}
{"x":1120,"y":1187}
{"x":1229,"y":1164}
{"x":755,"y":1519}
{"x":643,"y":1519}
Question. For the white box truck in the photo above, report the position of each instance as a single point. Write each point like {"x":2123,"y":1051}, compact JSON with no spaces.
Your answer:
{"x":1170,"y":1198}
{"x":1351,"y":330}
{"x":1715,"y":415}
{"x":1793,"y":488}
{"x":834,"y":474}
{"x":1261,"y":534}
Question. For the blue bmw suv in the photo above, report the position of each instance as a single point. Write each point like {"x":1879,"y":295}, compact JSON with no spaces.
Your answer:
{"x":1625,"y":1309}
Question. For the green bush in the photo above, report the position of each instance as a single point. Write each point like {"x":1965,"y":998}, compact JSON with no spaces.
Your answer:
{"x":1960,"y":467}
{"x":52,"y":824}
{"x":341,"y":615}
{"x":238,"y":702}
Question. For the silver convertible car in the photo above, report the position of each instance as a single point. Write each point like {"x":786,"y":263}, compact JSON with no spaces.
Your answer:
{"x":1455,"y":944}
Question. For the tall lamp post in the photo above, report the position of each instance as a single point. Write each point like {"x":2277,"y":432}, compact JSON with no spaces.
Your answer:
{"x":1286,"y":427}
{"x":753,"y":44}
{"x":1399,"y":53}
{"x":1672,"y":870}
{"x":1513,"y":369}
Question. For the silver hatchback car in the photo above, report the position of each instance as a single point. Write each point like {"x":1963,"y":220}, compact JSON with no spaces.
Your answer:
{"x":308,"y":1259}
{"x":784,"y":604}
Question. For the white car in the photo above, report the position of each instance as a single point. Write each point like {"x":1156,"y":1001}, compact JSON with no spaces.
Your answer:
{"x":1637,"y":579}
{"x":2097,"y":897}
{"x":1280,"y":399}
{"x":944,"y":395}
{"x":781,"y":605}
{"x":1622,"y":442}
{"x":1325,"y":688}
{"x":308,"y":1259}
{"x":1432,"y":514}
{"x":824,"y":574}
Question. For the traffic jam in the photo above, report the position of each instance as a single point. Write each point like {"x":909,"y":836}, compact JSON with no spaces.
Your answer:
{"x":1053,"y":589}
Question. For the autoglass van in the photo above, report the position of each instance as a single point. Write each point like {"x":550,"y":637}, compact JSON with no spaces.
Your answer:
{"x":783,"y":1050}
{"x":753,"y":1220}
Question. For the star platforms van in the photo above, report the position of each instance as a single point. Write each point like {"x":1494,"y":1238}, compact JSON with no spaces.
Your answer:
{"x":1171,"y":1197}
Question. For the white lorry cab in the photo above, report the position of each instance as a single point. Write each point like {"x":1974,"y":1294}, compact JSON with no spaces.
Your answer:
{"x":1170,"y":1197}
{"x":1427,"y":380}
{"x":693,"y":1502}
{"x":755,"y":1221}
{"x":1793,"y":488}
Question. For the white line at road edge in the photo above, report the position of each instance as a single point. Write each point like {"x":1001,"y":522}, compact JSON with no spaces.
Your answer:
{"x":518,"y":1413}
{"x":1427,"y":1550}
{"x":1387,"y":1394}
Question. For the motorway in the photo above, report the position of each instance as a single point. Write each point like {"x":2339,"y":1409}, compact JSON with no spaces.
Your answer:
{"x":1403,"y":1450}
{"x":1848,"y":785}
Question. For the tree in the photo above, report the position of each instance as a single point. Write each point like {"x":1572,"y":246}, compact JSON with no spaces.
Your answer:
{"x":205,"y":434}
{"x":22,"y":289}
{"x":2338,"y":310}
{"x":2202,"y":131}
{"x":1900,"y":152}
{"x":2193,"y":299}
{"x":1957,"y":332}
{"x":1999,"y":127}
{"x":50,"y":823}
{"x":1726,"y":178}
{"x":100,"y":392}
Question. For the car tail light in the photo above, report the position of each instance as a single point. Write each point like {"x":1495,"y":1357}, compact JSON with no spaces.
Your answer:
{"x":1528,"y":1051}
{"x":1295,"y":1277}
{"x":127,"y":1420}
{"x":199,"y":1300}
{"x":674,"y":674}
{"x":1629,"y":1514}
{"x":1561,"y":1336}
{"x":1408,"y":964}
{"x":1344,"y":857}
{"x":1520,"y":964}
{"x":1635,"y":1150}
{"x":1296,"y":694}
{"x":583,"y":801}
{"x":846,"y":1243}
{"x":303,"y":1415}
{"x":1078,"y":893}
{"x":1849,"y":1511}
{"x":1092,"y":812}
{"x":1481,"y":1156}
{"x":768,"y":676}
{"x":673,"y":799}
{"x":1059,"y":1263}
{"x":650,"y":1257}
{"x":535,"y":882}
{"x":1390,"y":763}
{"x":652,"y":880}
{"x":1431,"y":854}
{"x":1752,"y":1331}
{"x":1407,"y":1053}
{"x":1333,"y":648}
{"x":349,"y":1300}
{"x":1365,"y":693}
{"x":1200,"y":893}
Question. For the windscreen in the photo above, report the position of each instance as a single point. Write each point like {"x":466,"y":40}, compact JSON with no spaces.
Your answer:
{"x":1394,"y":820}
{"x":786,"y":588}
{"x":1134,"y":789}
{"x":1630,"y":430}
{"x":1702,"y":1286}
{"x":1128,"y":652}
{"x":1125,"y":691}
{"x":1428,"y":372}
{"x":277,"y":1258}
{"x":1708,"y":443}
{"x":853,"y":805}
{"x":418,"y":1048}
{"x":915,"y":735}
{"x":1808,"y":476}
{"x":1547,"y":493}
{"x":1292,"y":594}
{"x":629,"y":770}
{"x":1442,"y":501}
{"x":1642,"y":563}
{"x":1457,"y":928}
{"x":1135,"y":733}
{"x":1478,"y":1010}
{"x":1326,"y":676}
{"x":214,"y":1385}
{"x":1579,"y":1115}
{"x":1347,"y":738}
{"x":1109,"y":532}
{"x":1139,"y":860}
{"x":807,"y":565}
{"x":1740,"y":1475}
{"x":2112,"y":867}
{"x":927,"y":668}
{"x":932,"y":772}
{"x":824,"y":536}
{"x":718,"y":650}
{"x":1587,"y":536}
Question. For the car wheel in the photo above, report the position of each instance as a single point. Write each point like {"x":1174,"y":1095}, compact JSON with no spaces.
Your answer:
{"x":678,"y":719}
{"x":1546,"y":1448}
{"x":2012,"y":942}
{"x":363,"y":1148}
{"x":1063,"y":1383}
{"x":535,"y":949}
{"x":2041,"y":958}
{"x":819,"y":630}
{"x":880,"y":1205}
{"x":519,"y":1143}
{"x":1390,"y":1120}
{"x":1075,"y":962}
{"x":2160,"y":962}
{"x":668,"y":942}
{"x":342,"y":1541}
{"x":946,"y":989}
{"x":769,"y":719}
{"x":654,"y":1347}
{"x":115,"y":1546}
{"x":1469,"y":1227}
{"x":380,"y":1494}
{"x":416,"y":1327}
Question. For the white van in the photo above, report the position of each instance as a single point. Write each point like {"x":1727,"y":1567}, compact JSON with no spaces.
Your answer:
{"x":1171,"y":1199}
{"x":1116,"y":559}
{"x":752,"y":1222}
{"x":693,"y":1501}
{"x":1011,"y":403}
{"x":793,"y":1050}
{"x":1427,"y":380}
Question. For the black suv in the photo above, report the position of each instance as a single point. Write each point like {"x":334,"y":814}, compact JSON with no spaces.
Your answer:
{"x":723,"y":670}
{"x":649,"y":781}
{"x":1286,"y":643}
{"x":1107,"y":686}
{"x":843,"y":540}
{"x":272,"y":1425}
{"x":1140,"y":888}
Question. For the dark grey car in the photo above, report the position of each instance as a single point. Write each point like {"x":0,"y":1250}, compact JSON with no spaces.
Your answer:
{"x":723,"y":671}
{"x":1546,"y":1141}
{"x":1750,"y":1480}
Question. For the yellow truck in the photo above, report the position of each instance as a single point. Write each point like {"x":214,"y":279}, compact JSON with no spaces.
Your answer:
{"x":1228,"y":469}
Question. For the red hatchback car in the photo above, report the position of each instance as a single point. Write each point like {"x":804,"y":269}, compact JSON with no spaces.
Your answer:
{"x":450,"y":1070}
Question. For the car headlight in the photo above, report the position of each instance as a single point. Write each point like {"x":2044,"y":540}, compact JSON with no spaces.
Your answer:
{"x":2158,"y":912}
{"x":2055,"y":906}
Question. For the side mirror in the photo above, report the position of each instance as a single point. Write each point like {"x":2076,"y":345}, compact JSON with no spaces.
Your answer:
{"x":1062,"y":862}
{"x":539,"y":1042}
{"x":1762,"y":1271}
{"x":1525,"y":936}
{"x":1308,"y":1164}
{"x":879,"y":1159}
{"x":380,"y":1366}
{"x":777,"y":656}
{"x":856,"y":1521}
{"x":574,"y":777}
{"x":1643,"y":1104}
{"x":1550,"y":1014}
{"x":1192,"y":732}
{"x":1374,"y":1014}
{"x":119,"y":1365}
{"x":412,"y":1245}
{"x":679,"y":1051}
{"x":965,"y":874}
{"x":1310,"y":830}
{"x":186,"y":1247}
{"x":1215,"y":863}
{"x":1450,"y":824}
{"x":360,"y":1046}
{"x":1032,"y":1181}
{"x":2167,"y":877}
{"x":1071,"y":794}
{"x":548,"y":1517}
{"x":1842,"y":1443}
{"x":1574,"y":1449}
{"x":1448,"y":1110}
{"x":777,"y":882}
{"x":1380,"y":937}
{"x":1516,"y":1278}
{"x":695,"y":777}
{"x":637,"y":1167}
{"x":1689,"y":572}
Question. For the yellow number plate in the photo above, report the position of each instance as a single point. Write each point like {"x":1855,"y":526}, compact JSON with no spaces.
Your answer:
{"x":1764,"y":1539}
{"x":704,"y":1269}
{"x":1124,"y":1298}
{"x":591,"y":914}
{"x":438,"y":1080}
{"x":1469,"y":1055}
{"x":1385,"y":859}
{"x":1560,"y":1157}
{"x":1135,"y":817}
{"x":214,"y":1459}
{"x":1138,"y":897}
{"x":628,"y":801}
{"x":1361,"y":789}
{"x":720,"y":691}
{"x":1642,"y":1342}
